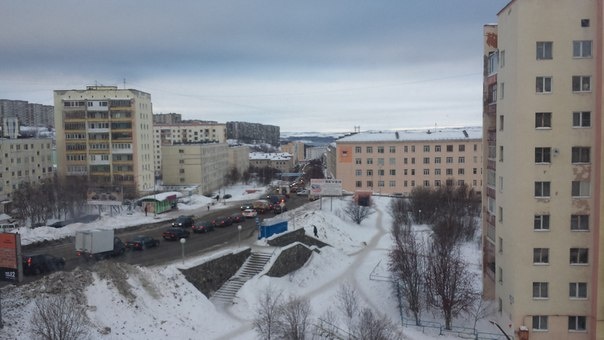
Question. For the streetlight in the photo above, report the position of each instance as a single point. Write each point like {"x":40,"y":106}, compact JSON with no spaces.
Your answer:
{"x":420,"y":216}
{"x":239,"y":235}
{"x":182,"y":243}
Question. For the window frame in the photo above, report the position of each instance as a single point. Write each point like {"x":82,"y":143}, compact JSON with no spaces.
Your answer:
{"x":578,"y":256}
{"x":543,"y":84}
{"x":575,"y":289}
{"x":545,"y":50}
{"x":543,"y":155}
{"x":579,"y":222}
{"x":580,"y":189}
{"x":540,"y":256}
{"x":581,"y":155}
{"x":578,"y":119}
{"x":543,"y":120}
{"x":542,"y":189}
{"x":577,"y":323}
{"x":539,"y":323}
{"x":541,"y":222}
{"x":581,"y":84}
{"x":540,"y":290}
{"x":579,"y":49}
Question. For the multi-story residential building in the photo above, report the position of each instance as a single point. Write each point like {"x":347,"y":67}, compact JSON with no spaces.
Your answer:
{"x":281,"y":161}
{"x":202,"y":164}
{"x":23,"y":160}
{"x":297,"y":149}
{"x":395,"y":162}
{"x":106,"y":134}
{"x":29,"y":114}
{"x":331,"y":160}
{"x":543,"y":158}
{"x":167,"y":118}
{"x":253,"y":133}
{"x":186,"y":132}
{"x":316,"y":152}
{"x":239,"y":158}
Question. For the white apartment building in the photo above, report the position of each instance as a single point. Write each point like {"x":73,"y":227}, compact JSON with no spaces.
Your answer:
{"x":189,"y":132}
{"x":542,"y":205}
{"x":395,"y":162}
{"x":105,"y":134}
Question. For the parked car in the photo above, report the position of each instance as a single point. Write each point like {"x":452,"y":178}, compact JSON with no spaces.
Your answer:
{"x":277,"y":209}
{"x":142,"y":242}
{"x":302,"y":192}
{"x":203,"y":227}
{"x":43,"y":263}
{"x":222,"y":221}
{"x":246,"y":206}
{"x":250,"y":213}
{"x":183,"y":221}
{"x":175,"y":233}
{"x":237,"y":217}
{"x":59,"y":224}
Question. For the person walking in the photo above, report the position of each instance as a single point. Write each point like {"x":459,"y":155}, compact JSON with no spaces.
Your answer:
{"x":146,"y":209}
{"x":315,"y":231}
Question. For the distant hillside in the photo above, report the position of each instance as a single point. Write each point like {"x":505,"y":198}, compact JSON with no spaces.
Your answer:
{"x":310,"y":138}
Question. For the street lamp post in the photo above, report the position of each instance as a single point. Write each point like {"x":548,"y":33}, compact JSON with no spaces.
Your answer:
{"x":420,"y":216}
{"x":182,"y":243}
{"x":239,"y":236}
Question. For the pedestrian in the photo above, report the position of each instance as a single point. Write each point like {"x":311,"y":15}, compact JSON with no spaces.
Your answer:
{"x":146,"y":209}
{"x":314,"y":230}
{"x":208,"y":206}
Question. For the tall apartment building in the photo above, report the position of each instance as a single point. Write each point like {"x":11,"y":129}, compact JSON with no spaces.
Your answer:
{"x":297,"y":149}
{"x":542,"y":205}
{"x":185,"y":132}
{"x":167,"y":118}
{"x":106,"y":134}
{"x":29,"y":114}
{"x":394,"y":162}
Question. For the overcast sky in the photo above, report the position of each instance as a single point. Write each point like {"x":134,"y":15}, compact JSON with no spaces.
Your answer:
{"x":311,"y":65}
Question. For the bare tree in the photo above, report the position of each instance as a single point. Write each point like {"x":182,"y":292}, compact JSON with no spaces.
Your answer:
{"x":59,"y":317}
{"x":408,"y":264}
{"x":267,"y":314}
{"x":449,"y":283}
{"x":357,"y":213}
{"x":293,"y":319}
{"x":400,"y":210}
{"x":347,"y":303}
{"x":375,"y":327}
{"x":481,"y":309}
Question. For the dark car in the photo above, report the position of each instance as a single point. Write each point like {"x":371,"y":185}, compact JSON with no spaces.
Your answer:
{"x":43,"y":263}
{"x":142,"y":242}
{"x":222,"y":221}
{"x":175,"y":233}
{"x":203,"y":227}
{"x":183,"y":221}
{"x":237,"y":217}
{"x":277,"y":209}
{"x":59,"y":224}
{"x":246,"y":206}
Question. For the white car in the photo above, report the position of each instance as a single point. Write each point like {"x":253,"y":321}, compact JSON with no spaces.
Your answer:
{"x":302,"y":192}
{"x":249,"y":213}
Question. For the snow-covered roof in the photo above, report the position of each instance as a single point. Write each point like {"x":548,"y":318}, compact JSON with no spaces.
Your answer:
{"x":162,"y":196}
{"x":274,"y":156}
{"x":416,"y":135}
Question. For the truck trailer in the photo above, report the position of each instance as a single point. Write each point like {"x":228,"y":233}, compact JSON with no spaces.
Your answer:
{"x":98,"y":244}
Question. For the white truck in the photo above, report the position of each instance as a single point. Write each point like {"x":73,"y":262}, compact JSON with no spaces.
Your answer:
{"x":98,"y":244}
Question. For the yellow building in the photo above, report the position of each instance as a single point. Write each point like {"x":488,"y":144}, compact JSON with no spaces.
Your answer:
{"x":394,"y":162}
{"x":105,"y":134}
{"x":543,"y":159}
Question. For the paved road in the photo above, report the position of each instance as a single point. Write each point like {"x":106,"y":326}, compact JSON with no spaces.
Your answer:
{"x":170,"y":250}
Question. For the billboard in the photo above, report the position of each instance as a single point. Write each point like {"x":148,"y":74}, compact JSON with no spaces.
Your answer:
{"x":9,"y":256}
{"x":326,"y":187}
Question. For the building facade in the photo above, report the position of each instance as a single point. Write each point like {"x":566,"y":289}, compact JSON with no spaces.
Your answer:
{"x":296,"y":149}
{"x":106,"y":134}
{"x":395,"y":162}
{"x":29,"y":114}
{"x":239,"y":158}
{"x":23,"y":160}
{"x":203,"y":165}
{"x":542,"y":189}
{"x":281,"y":161}
{"x":188,"y":132}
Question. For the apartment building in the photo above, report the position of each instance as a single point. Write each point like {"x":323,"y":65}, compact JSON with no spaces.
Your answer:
{"x":542,"y":190}
{"x":23,"y":160}
{"x":29,"y":114}
{"x":281,"y":161}
{"x":239,"y":157}
{"x":297,"y":149}
{"x":395,"y":162}
{"x":203,"y":164}
{"x":185,"y":132}
{"x":106,"y":134}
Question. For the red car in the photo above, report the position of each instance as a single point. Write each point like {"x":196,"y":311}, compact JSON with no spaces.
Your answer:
{"x":222,"y":221}
{"x":175,"y":233}
{"x":142,"y":242}
{"x":202,"y":227}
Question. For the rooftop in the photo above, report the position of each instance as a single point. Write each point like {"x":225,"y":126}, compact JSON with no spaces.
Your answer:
{"x":462,"y":133}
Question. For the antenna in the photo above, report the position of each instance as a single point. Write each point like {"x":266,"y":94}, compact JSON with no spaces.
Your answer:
{"x":124,"y":83}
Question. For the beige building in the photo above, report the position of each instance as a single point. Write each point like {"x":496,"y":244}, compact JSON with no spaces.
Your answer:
{"x":394,"y":162}
{"x":105,"y":134}
{"x":281,"y":161}
{"x":239,"y":158}
{"x":23,"y":160}
{"x":543,"y":158}
{"x":189,"y":132}
{"x":203,"y":164}
{"x":296,"y":149}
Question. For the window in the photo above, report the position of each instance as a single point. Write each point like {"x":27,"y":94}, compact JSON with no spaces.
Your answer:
{"x":426,"y":172}
{"x":426,"y":183}
{"x":544,"y":84}
{"x":579,"y":222}
{"x":581,"y":83}
{"x":437,"y":148}
{"x":581,"y":119}
{"x":380,"y":161}
{"x":493,"y":93}
{"x":437,"y":160}
{"x":543,"y":120}
{"x":426,"y":148}
{"x":580,"y":154}
{"x":544,"y":50}
{"x":426,"y":160}
{"x":500,"y":214}
{"x":582,"y":49}
{"x":392,"y":149}
{"x":542,"y":155}
{"x":540,"y":322}
{"x":357,"y":149}
{"x":540,"y":290}
{"x":584,"y":22}
{"x":358,"y":161}
{"x":369,"y":160}
{"x":380,"y":149}
{"x":577,"y":290}
{"x":358,"y":184}
{"x":381,"y":184}
{"x":579,"y":255}
{"x":412,"y":160}
{"x":380,"y":172}
{"x":542,"y":189}
{"x":501,"y":59}
{"x":541,"y":222}
{"x":460,"y":171}
{"x":449,"y":148}
{"x":358,"y":172}
{"x":577,"y":323}
{"x":392,"y":184}
{"x":449,"y":172}
{"x":392,"y":161}
{"x":437,"y":183}
{"x":461,"y":160}
{"x":501,"y":90}
{"x":369,"y":172}
{"x":392,"y":172}
{"x":405,"y":160}
{"x":501,"y":153}
{"x":540,"y":255}
{"x":370,"y":184}
{"x":492,"y":62}
{"x":412,"y":172}
{"x":369,"y":149}
{"x":406,"y":148}
{"x":437,"y":171}
{"x":580,"y":189}
{"x":449,"y":160}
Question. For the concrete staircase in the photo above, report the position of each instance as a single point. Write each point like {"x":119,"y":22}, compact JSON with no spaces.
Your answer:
{"x":252,"y":266}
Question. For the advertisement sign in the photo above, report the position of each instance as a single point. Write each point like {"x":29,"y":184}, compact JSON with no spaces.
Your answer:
{"x":326,"y":187}
{"x":9,"y":264}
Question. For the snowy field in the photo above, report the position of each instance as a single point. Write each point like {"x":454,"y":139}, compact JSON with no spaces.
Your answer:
{"x":132,"y":302}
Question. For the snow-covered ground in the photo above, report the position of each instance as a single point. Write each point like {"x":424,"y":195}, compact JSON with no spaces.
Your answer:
{"x":132,"y":302}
